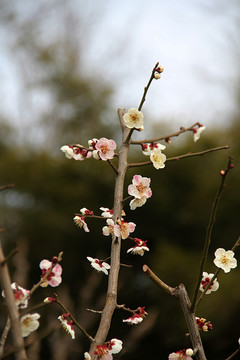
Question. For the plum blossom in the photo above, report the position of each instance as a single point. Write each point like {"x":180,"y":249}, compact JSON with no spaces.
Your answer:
{"x":134,"y":119}
{"x":140,"y":187}
{"x":92,"y":143}
{"x":106,"y":212}
{"x":206,"y":280}
{"x":87,"y":356}
{"x":105,"y":148}
{"x":139,"y":248}
{"x":29,"y":323}
{"x":225,"y":260}
{"x":123,"y":228}
{"x":67,"y":324}
{"x":137,"y":317}
{"x":197,"y":132}
{"x":85,"y":211}
{"x":180,"y":355}
{"x":115,"y":346}
{"x":99,"y":265}
{"x":54,"y":278}
{"x":148,"y":148}
{"x":105,"y":351}
{"x":109,"y":228}
{"x":203,"y":324}
{"x":158,"y":159}
{"x":137,"y":203}
{"x":20,"y":295}
{"x":76,"y":152}
{"x":80,"y":222}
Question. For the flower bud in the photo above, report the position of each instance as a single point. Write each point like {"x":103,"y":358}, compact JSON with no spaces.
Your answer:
{"x":157,"y":76}
{"x":49,"y":300}
{"x":189,"y":352}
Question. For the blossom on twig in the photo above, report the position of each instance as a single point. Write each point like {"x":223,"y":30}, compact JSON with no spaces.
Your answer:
{"x":54,"y":278}
{"x":105,"y":149}
{"x":206,"y":280}
{"x":139,"y":248}
{"x":105,"y":351}
{"x":225,"y":260}
{"x":29,"y":323}
{"x":181,"y":355}
{"x":76,"y":152}
{"x":108,"y":229}
{"x":137,"y":317}
{"x":20,"y":295}
{"x":134,"y":119}
{"x":147,"y":148}
{"x":197,"y":132}
{"x":80,"y":222}
{"x":99,"y":265}
{"x":158,"y":159}
{"x":203,"y":324}
{"x":140,"y":189}
{"x":67,"y":324}
{"x":123,"y":228}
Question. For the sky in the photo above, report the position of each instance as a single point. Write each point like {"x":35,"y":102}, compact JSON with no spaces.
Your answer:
{"x":197,"y":43}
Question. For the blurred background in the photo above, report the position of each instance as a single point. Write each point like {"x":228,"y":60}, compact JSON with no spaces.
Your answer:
{"x":65,"y":69}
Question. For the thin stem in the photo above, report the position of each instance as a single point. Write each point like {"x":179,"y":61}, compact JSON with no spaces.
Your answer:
{"x":4,"y":335}
{"x":237,"y":243}
{"x":113,"y":167}
{"x":233,"y":354}
{"x":9,"y":256}
{"x":209,"y":233}
{"x":157,"y":280}
{"x":177,"y":133}
{"x":73,"y":319}
{"x":179,"y":157}
{"x":147,"y":87}
{"x":8,"y":186}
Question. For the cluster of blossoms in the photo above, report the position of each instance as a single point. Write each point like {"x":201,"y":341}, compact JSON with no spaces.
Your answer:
{"x":154,"y":150}
{"x":206,"y":280}
{"x":181,"y":355}
{"x":99,"y":265}
{"x":102,"y":149}
{"x":67,"y":324}
{"x":105,"y":351}
{"x":137,"y":317}
{"x":140,"y":189}
{"x":139,"y":248}
{"x":203,"y":324}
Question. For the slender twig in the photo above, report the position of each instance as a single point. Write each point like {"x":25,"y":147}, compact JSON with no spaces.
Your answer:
{"x":233,"y":354}
{"x":8,"y":186}
{"x":176,"y":133}
{"x":147,"y":87}
{"x":73,"y":319}
{"x":157,"y":280}
{"x":4,"y":335}
{"x":209,"y":232}
{"x":179,"y":157}
{"x":113,"y":167}
{"x":237,"y":243}
{"x":12,"y":309}
{"x":9,"y":256}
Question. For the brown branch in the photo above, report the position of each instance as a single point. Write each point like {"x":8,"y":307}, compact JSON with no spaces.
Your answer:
{"x":179,"y":157}
{"x":177,"y":133}
{"x":181,"y":294}
{"x":8,"y":186}
{"x":111,"y":300}
{"x":233,"y":354}
{"x":12,"y":309}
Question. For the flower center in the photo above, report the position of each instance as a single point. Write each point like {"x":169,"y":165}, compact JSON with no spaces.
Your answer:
{"x":205,"y":283}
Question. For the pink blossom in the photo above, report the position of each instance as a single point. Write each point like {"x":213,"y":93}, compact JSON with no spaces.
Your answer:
{"x":105,"y":148}
{"x":139,"y":248}
{"x":20,"y":295}
{"x":80,"y":222}
{"x":54,"y":278}
{"x":140,"y":187}
{"x":123,"y":228}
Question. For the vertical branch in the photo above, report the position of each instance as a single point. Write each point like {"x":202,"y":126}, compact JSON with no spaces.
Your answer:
{"x":20,"y":353}
{"x":111,"y":300}
{"x":190,"y":318}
